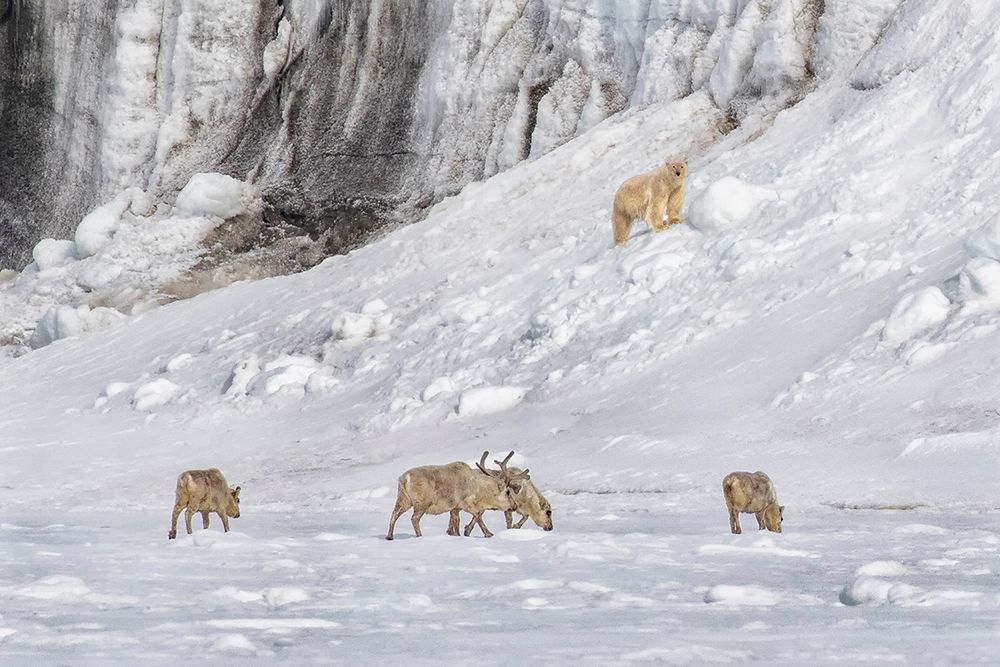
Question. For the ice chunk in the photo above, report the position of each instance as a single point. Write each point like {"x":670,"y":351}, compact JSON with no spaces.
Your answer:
{"x":65,"y":321}
{"x":99,"y":226}
{"x":980,"y":280}
{"x":985,"y":242}
{"x":914,"y":313}
{"x":211,"y":195}
{"x":50,"y":253}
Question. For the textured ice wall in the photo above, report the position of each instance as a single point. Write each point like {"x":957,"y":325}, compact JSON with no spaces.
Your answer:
{"x":351,"y":113}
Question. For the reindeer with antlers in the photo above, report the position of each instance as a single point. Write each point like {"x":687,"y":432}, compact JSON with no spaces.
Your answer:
{"x":453,"y":487}
{"x":528,"y":502}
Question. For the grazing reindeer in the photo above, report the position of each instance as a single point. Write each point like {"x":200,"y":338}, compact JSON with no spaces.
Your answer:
{"x":204,"y":491}
{"x":528,"y":501}
{"x":752,"y":493}
{"x":455,"y":486}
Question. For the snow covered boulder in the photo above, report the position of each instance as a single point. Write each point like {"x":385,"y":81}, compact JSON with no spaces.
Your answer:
{"x":980,"y":280}
{"x":65,"y":321}
{"x":99,"y":226}
{"x":212,"y":195}
{"x":288,"y":374}
{"x":489,"y":400}
{"x":914,"y":313}
{"x":876,"y":591}
{"x":728,"y":203}
{"x":50,"y":253}
{"x":155,"y":393}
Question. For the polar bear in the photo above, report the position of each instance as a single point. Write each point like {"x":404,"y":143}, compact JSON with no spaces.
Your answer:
{"x":648,"y":196}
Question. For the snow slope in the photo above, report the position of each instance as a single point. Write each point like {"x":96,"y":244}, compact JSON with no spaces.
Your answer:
{"x":829,"y":314}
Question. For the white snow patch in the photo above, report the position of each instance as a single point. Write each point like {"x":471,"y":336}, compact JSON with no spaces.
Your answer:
{"x":881,"y":568}
{"x":489,"y":400}
{"x":754,"y":596}
{"x":233,"y":643}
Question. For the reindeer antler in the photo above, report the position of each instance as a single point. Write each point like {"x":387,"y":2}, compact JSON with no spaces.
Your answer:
{"x":503,"y":464}
{"x":507,"y":473}
{"x":482,"y":462}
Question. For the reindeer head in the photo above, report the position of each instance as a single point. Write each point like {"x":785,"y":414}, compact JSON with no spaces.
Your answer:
{"x":233,"y":502}
{"x":773,"y":516}
{"x":508,"y":482}
{"x":541,"y":512}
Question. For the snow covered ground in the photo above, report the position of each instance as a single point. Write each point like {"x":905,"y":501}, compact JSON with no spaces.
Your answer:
{"x":829,"y":313}
{"x":624,"y":578}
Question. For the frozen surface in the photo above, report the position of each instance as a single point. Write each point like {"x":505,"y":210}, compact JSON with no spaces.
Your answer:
{"x":840,"y":333}
{"x":648,"y":585}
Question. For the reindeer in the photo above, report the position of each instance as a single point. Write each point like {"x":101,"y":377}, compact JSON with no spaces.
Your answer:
{"x":204,"y":491}
{"x":456,"y":486}
{"x":752,"y":493}
{"x":528,"y":501}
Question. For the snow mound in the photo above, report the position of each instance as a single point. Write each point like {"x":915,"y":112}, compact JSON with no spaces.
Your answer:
{"x":65,"y":321}
{"x":915,"y":313}
{"x":873,"y":590}
{"x":753,"y":596}
{"x":67,"y":590}
{"x":489,"y":400}
{"x":155,"y":393}
{"x":52,"y":253}
{"x":233,"y":643}
{"x":98,"y":227}
{"x":212,"y":195}
{"x":728,"y":203}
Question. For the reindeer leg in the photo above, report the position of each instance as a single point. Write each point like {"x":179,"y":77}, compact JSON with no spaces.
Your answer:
{"x":468,"y":529}
{"x":454,"y":519}
{"x":225,"y":520}
{"x":760,"y":519}
{"x":734,"y":521}
{"x":187,"y":520}
{"x":204,"y":519}
{"x":524,"y":517}
{"x":509,"y":518}
{"x":482,"y":526}
{"x":402,"y":504}
{"x":173,"y":521}
{"x":415,"y":520}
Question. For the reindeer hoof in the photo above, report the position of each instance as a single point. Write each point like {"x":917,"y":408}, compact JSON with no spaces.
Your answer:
{"x":172,"y":534}
{"x":389,"y":537}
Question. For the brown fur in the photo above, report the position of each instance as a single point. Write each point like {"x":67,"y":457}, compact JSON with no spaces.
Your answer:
{"x":752,"y":493}
{"x":204,"y":491}
{"x":648,"y":196}
{"x":452,"y":487}
{"x":528,"y":502}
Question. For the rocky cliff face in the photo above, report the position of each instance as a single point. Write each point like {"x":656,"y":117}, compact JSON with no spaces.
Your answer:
{"x":348,"y":115}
